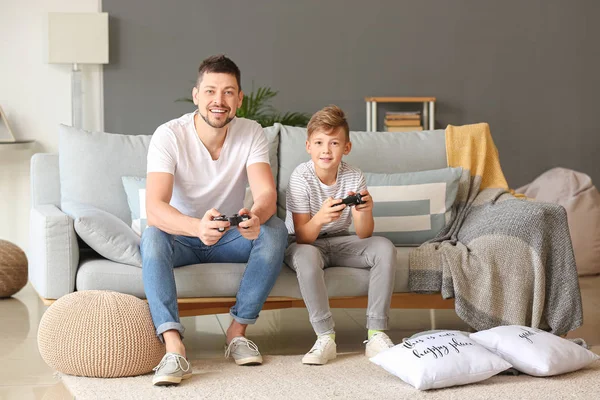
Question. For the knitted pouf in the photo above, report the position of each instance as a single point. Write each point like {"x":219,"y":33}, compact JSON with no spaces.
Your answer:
{"x":13,"y":269}
{"x":100,"y":334}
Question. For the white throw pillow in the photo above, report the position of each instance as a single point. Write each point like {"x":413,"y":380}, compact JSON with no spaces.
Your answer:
{"x":534,"y":351}
{"x":441,"y":359}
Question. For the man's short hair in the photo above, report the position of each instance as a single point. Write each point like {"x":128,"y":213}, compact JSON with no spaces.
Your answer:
{"x":221,"y":65}
{"x":329,"y":119}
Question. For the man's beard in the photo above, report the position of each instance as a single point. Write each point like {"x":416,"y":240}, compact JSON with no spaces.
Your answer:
{"x":217,"y":124}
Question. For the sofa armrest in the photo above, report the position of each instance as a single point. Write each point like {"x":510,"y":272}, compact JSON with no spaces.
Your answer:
{"x":53,"y":251}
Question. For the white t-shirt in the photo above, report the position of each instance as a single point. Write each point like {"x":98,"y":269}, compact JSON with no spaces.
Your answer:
{"x":200,"y":182}
{"x":306,"y":194}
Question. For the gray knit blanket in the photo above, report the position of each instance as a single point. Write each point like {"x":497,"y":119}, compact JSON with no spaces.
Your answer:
{"x":505,"y":261}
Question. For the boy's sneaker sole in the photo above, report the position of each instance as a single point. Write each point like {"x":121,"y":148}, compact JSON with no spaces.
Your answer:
{"x":314,"y":360}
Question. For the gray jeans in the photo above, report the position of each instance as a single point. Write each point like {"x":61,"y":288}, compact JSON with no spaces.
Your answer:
{"x":376,"y":253}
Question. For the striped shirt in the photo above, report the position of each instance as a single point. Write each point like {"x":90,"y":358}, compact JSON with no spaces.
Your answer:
{"x":306,"y":194}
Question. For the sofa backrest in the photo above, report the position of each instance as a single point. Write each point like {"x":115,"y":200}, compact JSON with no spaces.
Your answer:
{"x":91,"y":165}
{"x":378,"y":152}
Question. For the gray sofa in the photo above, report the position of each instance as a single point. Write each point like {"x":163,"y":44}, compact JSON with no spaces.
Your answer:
{"x":89,"y":167}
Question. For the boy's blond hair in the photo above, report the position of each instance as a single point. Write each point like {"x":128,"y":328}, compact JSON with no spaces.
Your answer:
{"x":329,"y":119}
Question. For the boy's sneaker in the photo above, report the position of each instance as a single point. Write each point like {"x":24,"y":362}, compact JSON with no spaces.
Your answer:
{"x":378,"y":343}
{"x":243,"y":351}
{"x":323,"y":350}
{"x":171,"y":370}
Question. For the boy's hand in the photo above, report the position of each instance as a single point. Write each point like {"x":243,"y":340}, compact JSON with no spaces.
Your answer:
{"x":366,"y":198}
{"x":330,"y":211}
{"x":251,"y":228}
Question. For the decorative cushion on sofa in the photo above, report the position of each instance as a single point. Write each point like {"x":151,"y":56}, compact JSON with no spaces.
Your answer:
{"x":13,"y":269}
{"x":411,"y":208}
{"x":534,"y":351}
{"x":106,"y":234}
{"x":135,"y":188}
{"x":100,"y":334}
{"x":441,"y":359}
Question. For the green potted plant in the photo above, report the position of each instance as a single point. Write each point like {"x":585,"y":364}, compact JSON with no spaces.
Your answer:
{"x":255,"y":106}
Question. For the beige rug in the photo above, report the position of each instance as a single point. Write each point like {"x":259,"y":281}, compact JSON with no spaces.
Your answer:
{"x":350,"y":376}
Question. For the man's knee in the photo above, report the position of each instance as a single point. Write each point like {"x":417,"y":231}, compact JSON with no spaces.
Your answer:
{"x":153,"y":240}
{"x":275,"y":232}
{"x":276,"y":225}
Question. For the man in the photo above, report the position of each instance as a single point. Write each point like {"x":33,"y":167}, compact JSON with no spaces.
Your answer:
{"x":198,"y":168}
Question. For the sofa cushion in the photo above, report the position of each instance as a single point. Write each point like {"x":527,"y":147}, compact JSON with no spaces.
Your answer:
{"x":223,"y":280}
{"x":135,"y":189}
{"x":272,"y":134}
{"x":381,"y":152}
{"x":91,"y":166}
{"x":107,"y":235}
{"x":411,"y":208}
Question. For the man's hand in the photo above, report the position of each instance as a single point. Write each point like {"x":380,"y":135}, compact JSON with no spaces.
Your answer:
{"x":366,"y":198}
{"x":209,"y":230}
{"x":330,"y":211}
{"x":250,"y":228}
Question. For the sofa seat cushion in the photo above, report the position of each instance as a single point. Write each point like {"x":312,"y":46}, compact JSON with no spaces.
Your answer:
{"x":223,"y":280}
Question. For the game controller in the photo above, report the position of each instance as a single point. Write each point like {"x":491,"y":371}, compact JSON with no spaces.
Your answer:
{"x":353,"y":200}
{"x":234,"y":220}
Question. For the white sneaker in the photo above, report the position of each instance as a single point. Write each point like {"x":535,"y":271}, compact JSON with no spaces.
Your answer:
{"x":378,"y":343}
{"x":323,"y":350}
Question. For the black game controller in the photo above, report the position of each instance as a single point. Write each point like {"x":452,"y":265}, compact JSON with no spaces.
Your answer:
{"x":234,"y":220}
{"x":353,"y":200}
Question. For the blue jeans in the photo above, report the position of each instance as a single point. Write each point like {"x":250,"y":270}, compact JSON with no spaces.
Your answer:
{"x":162,"y":252}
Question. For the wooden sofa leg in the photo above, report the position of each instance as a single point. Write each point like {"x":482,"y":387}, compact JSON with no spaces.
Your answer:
{"x":432,"y":318}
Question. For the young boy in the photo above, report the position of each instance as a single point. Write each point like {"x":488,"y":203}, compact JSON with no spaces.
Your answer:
{"x":319,"y":222}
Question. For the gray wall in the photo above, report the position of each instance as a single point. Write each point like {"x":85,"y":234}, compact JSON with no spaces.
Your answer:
{"x":527,"y":67}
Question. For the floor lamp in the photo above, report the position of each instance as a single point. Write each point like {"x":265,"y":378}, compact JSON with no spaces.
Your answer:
{"x":77,"y":38}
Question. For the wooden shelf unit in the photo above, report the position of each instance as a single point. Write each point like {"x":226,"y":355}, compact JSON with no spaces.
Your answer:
{"x":428,"y":116}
